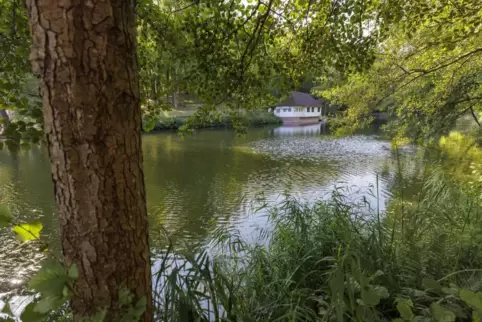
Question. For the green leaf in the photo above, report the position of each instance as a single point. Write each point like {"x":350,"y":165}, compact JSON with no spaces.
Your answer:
{"x":381,"y":291}
{"x":29,"y":315}
{"x":405,"y":310}
{"x":370,"y":297}
{"x":476,"y":316}
{"x":431,"y":284}
{"x":441,"y":314}
{"x":49,"y":303}
{"x":135,"y":313}
{"x":450,"y":290}
{"x":125,"y":296}
{"x":471,"y":298}
{"x":26,"y":232}
{"x":7,"y":310}
{"x":5,"y":216}
{"x":74,"y":271}
{"x":98,"y":317}
{"x":50,"y":280}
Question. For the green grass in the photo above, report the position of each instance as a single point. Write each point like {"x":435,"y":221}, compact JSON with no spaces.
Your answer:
{"x":338,"y":261}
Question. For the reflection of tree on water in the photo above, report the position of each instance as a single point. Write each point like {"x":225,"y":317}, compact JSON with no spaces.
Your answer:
{"x":200,"y":180}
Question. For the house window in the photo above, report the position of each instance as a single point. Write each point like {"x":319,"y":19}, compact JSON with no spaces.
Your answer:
{"x":285,"y":110}
{"x":277,"y":110}
{"x":289,"y":110}
{"x":319,"y":109}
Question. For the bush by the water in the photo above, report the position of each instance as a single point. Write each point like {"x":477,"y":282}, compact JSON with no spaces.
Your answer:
{"x":420,"y":260}
{"x":250,"y":118}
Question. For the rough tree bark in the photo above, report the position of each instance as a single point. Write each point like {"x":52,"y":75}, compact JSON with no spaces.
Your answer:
{"x":85,"y":52}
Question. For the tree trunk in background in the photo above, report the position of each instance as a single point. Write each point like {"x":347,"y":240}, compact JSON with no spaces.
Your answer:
{"x":6,"y":118}
{"x":174,"y":89}
{"x":85,"y":52}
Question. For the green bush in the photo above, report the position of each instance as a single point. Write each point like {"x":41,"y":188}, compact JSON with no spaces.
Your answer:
{"x":251,"y":118}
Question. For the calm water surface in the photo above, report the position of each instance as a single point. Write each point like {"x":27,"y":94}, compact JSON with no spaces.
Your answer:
{"x":196,"y":184}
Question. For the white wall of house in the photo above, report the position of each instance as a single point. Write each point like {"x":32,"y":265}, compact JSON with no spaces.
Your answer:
{"x":294,"y":111}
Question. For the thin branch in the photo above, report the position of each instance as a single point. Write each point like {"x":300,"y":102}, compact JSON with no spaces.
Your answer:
{"x":474,"y":116}
{"x":186,"y":7}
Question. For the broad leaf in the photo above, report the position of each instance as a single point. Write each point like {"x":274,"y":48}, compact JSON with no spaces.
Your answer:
{"x":48,"y":304}
{"x":27,"y":232}
{"x":471,"y":298}
{"x":30,"y":315}
{"x":50,"y":280}
{"x":431,"y":284}
{"x":441,"y":314}
{"x":405,"y":310}
{"x":370,"y":297}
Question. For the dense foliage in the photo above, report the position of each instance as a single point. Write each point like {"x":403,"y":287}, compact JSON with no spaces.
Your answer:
{"x":427,"y":72}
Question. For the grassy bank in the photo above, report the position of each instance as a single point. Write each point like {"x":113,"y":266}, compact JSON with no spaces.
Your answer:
{"x":421,"y":260}
{"x":250,"y":119}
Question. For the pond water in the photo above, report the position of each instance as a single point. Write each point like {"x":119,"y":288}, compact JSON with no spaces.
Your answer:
{"x":198,"y":183}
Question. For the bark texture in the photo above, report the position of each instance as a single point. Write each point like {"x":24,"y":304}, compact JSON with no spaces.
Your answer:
{"x":85,"y":53}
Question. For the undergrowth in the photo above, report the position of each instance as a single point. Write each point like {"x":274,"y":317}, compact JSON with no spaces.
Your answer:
{"x":338,"y":261}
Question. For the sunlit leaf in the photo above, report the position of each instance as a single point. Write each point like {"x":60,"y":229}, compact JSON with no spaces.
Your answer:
{"x":26,"y":232}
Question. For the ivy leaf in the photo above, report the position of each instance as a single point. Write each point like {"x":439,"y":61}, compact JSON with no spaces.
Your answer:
{"x":471,"y":298}
{"x":27,"y":232}
{"x":405,"y":309}
{"x":5,"y":216}
{"x":48,"y":304}
{"x":74,"y":271}
{"x":30,"y":315}
{"x":50,"y":279}
{"x":441,"y":314}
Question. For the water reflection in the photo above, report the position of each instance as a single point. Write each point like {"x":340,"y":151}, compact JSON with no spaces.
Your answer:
{"x":198,"y":183}
{"x":291,"y":130}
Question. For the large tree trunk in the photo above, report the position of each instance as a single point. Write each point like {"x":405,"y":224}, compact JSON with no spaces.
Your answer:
{"x":85,"y":53}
